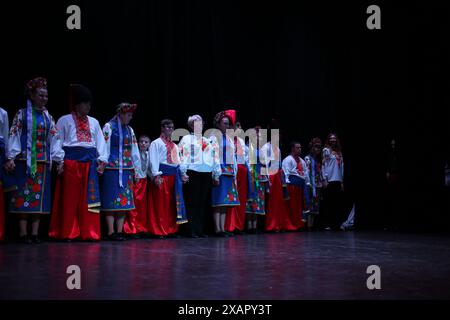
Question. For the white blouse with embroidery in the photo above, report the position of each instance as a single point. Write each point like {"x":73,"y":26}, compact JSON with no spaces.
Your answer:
{"x":158,"y":155}
{"x":200,"y":154}
{"x":68,"y":133}
{"x":4,"y":126}
{"x":269,"y":158}
{"x":332,"y":167}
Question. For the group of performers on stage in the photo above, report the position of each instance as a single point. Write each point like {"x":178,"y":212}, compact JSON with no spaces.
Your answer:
{"x":155,"y":188}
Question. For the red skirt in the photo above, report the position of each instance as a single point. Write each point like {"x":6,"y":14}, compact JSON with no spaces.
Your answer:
{"x":2,"y":213}
{"x":235,"y":218}
{"x":277,"y":214}
{"x":295,"y":204}
{"x":162,"y":211}
{"x":137,"y":219}
{"x":71,"y":217}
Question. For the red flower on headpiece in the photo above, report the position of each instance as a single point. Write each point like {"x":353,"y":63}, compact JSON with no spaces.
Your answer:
{"x":126,"y":107}
{"x":232,"y":115}
{"x":37,"y":83}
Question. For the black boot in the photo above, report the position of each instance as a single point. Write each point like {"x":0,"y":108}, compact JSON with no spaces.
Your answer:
{"x":25,"y":239}
{"x":120,"y":236}
{"x":35,"y":239}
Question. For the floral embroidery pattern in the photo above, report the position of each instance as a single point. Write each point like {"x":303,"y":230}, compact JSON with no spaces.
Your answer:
{"x":192,"y":150}
{"x":53,"y":130}
{"x":126,"y":154}
{"x":232,"y":195}
{"x":106,"y":134}
{"x":82,"y":127}
{"x":125,"y":197}
{"x":92,"y":190}
{"x":40,"y":141}
{"x":127,"y":162}
{"x":178,"y":206}
{"x":338,"y":157}
{"x":30,"y":195}
{"x":257,"y":205}
{"x":17,"y":124}
{"x":227,"y":169}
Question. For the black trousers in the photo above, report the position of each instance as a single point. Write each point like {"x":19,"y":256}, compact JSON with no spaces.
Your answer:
{"x":196,"y":195}
{"x":332,"y":210}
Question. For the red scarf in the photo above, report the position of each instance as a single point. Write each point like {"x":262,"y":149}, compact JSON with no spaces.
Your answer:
{"x":170,"y":146}
{"x":82,"y":127}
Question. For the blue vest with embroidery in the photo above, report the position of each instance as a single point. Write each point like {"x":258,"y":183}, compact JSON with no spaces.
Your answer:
{"x":42,"y":131}
{"x":113,"y":161}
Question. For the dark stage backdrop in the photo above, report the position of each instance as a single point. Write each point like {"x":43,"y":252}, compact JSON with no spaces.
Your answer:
{"x":311,"y":64}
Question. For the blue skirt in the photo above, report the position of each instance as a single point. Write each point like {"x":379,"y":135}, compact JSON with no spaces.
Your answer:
{"x":113,"y":197}
{"x":29,"y":194}
{"x":258,"y":204}
{"x":225,"y":194}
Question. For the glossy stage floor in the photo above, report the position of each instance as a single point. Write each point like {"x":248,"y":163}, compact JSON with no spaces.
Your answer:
{"x":315,"y":265}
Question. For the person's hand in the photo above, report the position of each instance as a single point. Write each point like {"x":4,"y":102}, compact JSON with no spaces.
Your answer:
{"x":60,"y":167}
{"x":185,"y":178}
{"x":10,"y":166}
{"x":325,"y":183}
{"x":158,"y":181}
{"x":216,"y":182}
{"x":101,"y":167}
{"x":388,"y":175}
{"x":342,"y":186}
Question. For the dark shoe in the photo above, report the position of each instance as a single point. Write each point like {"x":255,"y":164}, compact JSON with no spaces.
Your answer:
{"x":35,"y":239}
{"x":202,"y":235}
{"x":228,"y":234}
{"x":144,"y":235}
{"x":112,"y":237}
{"x":221,"y":234}
{"x":193,"y":235}
{"x":120,"y":236}
{"x":132,"y":236}
{"x":90,"y":240}
{"x":25,"y":239}
{"x":155,"y":236}
{"x":251,"y":231}
{"x":238,"y":232}
{"x":173,"y":236}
